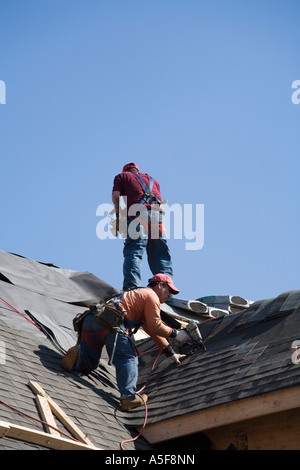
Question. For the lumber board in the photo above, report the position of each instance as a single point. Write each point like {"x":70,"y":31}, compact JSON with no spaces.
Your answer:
{"x":60,"y":414}
{"x":41,"y":438}
{"x":68,"y":423}
{"x":279,"y":431}
{"x":46,"y":415}
{"x":221,"y":415}
{"x":4,"y":428}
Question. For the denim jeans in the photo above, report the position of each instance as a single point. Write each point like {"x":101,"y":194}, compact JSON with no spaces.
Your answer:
{"x":158,"y":255}
{"x":124,"y":360}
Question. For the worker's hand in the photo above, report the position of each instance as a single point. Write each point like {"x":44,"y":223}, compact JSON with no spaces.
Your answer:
{"x":177,"y":358}
{"x":171,"y":354}
{"x":114,"y":227}
{"x":182,"y":337}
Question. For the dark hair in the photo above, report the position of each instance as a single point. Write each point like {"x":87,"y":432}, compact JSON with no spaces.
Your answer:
{"x":154,"y":283}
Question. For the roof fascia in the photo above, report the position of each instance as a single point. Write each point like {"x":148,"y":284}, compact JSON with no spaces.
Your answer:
{"x":222,"y":415}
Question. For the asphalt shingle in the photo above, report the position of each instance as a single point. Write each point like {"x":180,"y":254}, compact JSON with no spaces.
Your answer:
{"x":247,"y":354}
{"x":90,"y":404}
{"x":243,"y":359}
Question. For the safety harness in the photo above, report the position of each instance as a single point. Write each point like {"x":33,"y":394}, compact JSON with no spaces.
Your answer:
{"x":149,"y":198}
{"x":129,"y":324}
{"x":87,"y":337}
{"x":111,"y":316}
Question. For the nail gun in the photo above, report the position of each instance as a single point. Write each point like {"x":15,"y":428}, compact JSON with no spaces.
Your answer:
{"x":195,"y":340}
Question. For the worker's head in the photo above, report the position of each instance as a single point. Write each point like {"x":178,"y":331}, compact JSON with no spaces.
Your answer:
{"x":131,"y":167}
{"x":163,"y":286}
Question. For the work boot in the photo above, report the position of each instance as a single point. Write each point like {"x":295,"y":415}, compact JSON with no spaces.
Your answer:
{"x":130,"y":403}
{"x":68,"y":361}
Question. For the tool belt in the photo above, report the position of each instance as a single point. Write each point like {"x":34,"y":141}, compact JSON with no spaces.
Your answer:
{"x":78,"y":321}
{"x":110,"y":316}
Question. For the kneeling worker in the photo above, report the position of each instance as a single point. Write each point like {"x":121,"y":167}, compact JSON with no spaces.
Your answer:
{"x":142,"y":308}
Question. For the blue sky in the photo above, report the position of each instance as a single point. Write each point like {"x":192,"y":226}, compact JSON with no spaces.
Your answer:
{"x":197,"y":93}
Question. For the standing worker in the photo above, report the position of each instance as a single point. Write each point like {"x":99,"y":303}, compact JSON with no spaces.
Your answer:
{"x":140,"y":307}
{"x":145,"y":229}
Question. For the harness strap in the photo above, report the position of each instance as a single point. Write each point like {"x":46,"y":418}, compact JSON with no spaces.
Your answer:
{"x":103,"y":333}
{"x":147,"y":189}
{"x":126,"y":323}
{"x":150,"y":226}
{"x":116,"y":302}
{"x":132,"y":324}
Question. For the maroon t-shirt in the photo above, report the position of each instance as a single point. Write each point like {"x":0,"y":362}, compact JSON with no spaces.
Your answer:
{"x":128,"y":185}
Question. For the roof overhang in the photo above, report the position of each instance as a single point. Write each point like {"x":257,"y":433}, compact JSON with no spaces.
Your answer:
{"x":223,"y":415}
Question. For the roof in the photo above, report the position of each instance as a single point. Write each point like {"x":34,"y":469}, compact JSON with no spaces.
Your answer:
{"x":247,"y":354}
{"x":32,"y":354}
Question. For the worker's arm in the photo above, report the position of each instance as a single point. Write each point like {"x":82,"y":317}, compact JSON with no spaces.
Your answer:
{"x":160,"y":341}
{"x":153,"y":325}
{"x":115,"y":199}
{"x":158,"y":331}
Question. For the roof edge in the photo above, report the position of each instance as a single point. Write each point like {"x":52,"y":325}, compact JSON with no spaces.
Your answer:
{"x":223,"y":415}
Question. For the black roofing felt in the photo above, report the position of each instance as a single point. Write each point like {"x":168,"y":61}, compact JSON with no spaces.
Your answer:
{"x":52,"y":296}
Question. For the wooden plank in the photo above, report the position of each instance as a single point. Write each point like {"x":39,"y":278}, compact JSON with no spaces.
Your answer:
{"x":41,"y":438}
{"x":36,"y":388}
{"x":68,"y":423}
{"x":47,"y":415}
{"x":222,"y":415}
{"x":4,"y":429}
{"x":60,"y":414}
{"x":279,"y":431}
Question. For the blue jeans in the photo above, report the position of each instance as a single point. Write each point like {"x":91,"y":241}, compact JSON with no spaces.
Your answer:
{"x":125,"y":359}
{"x":158,"y":255}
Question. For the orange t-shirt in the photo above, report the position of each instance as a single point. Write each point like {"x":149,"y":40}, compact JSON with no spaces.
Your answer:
{"x":143,"y":305}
